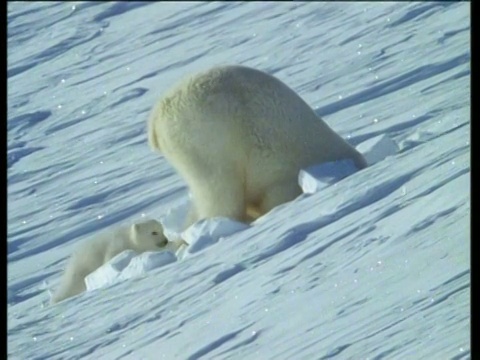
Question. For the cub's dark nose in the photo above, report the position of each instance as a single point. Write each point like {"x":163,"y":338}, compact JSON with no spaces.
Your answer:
{"x":163,"y":243}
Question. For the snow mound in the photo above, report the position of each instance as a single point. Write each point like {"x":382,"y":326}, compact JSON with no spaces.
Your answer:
{"x":207,"y":232}
{"x":108,"y":273}
{"x":126,"y":265}
{"x":317,"y":177}
{"x":314,"y":178}
{"x":200,"y":235}
{"x":377,"y":148}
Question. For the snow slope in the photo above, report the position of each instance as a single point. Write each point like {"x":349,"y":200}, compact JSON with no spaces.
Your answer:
{"x":376,"y":266}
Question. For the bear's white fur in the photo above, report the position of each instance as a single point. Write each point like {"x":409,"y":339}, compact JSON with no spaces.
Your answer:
{"x":239,"y":138}
{"x":93,"y":253}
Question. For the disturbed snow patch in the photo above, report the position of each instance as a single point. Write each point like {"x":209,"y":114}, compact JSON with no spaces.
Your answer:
{"x":129,"y":264}
{"x":126,"y":265}
{"x":208,"y":232}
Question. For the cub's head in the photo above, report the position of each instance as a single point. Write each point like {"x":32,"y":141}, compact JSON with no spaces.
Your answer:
{"x":148,"y":235}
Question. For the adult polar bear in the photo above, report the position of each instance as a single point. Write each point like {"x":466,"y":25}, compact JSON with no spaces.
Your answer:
{"x":239,"y":138}
{"x":93,"y":253}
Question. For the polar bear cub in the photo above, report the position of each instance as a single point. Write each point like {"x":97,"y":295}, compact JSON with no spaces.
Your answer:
{"x":239,"y":137}
{"x":93,"y":253}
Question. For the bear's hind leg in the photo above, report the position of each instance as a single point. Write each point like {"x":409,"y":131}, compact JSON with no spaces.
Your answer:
{"x":224,"y":198}
{"x":278,"y":194}
{"x":253,"y":212}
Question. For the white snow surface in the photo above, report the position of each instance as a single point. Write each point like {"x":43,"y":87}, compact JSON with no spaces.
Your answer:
{"x":373,"y":266}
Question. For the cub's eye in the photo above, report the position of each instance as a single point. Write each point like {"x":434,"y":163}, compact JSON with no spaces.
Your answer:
{"x":154,"y":233}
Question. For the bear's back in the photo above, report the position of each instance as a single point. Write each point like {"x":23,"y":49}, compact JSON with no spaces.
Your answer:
{"x":246,"y":110}
{"x":256,"y":105}
{"x":250,"y":90}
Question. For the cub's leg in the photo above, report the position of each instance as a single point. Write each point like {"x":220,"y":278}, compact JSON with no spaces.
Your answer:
{"x":72,"y":283}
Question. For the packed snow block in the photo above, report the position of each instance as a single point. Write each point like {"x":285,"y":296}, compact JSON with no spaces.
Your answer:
{"x":207,"y":232}
{"x":377,"y":148}
{"x":145,"y":262}
{"x":109,"y":272}
{"x":314,"y":178}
